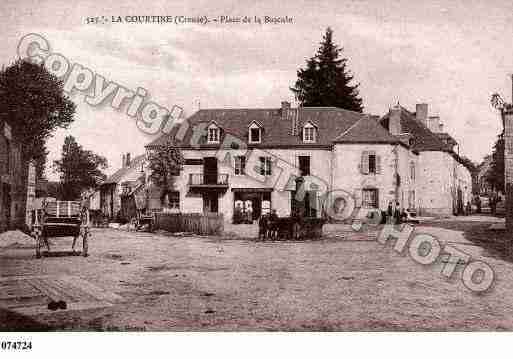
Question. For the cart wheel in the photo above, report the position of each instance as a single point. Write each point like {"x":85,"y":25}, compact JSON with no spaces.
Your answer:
{"x":85,"y":244}
{"x":38,"y":246}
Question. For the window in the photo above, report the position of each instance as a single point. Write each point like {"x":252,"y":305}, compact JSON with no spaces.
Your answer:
{"x":254,"y":135}
{"x":412,"y":170}
{"x":304,"y":165}
{"x":372,"y":163}
{"x":213,"y":135}
{"x":370,"y":198}
{"x":240,"y":165}
{"x":265,"y":166}
{"x":411,"y":200}
{"x":309,"y":133}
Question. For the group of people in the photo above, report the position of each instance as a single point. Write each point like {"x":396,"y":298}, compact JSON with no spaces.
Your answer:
{"x":493,"y":200}
{"x":394,"y":214}
{"x":268,"y":226}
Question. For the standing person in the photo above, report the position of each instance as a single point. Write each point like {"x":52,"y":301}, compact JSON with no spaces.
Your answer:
{"x":237,"y":214}
{"x":263,"y":227}
{"x":493,"y":203}
{"x":390,"y":213}
{"x":397,"y":213}
{"x":250,"y":215}
{"x":248,"y":212}
{"x":273,"y":225}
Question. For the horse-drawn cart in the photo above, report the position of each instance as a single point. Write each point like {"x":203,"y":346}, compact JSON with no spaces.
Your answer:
{"x":60,"y":219}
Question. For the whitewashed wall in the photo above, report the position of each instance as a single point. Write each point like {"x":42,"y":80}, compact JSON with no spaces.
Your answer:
{"x":347,"y":174}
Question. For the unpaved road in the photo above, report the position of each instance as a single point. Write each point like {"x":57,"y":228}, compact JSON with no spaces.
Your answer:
{"x":191,"y":283}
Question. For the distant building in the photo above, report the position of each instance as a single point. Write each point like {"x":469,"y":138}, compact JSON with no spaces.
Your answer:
{"x":485,"y":187}
{"x":14,"y":187}
{"x":111,"y":190}
{"x":444,"y":183}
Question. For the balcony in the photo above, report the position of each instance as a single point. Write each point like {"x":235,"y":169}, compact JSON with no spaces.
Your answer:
{"x":208,"y":181}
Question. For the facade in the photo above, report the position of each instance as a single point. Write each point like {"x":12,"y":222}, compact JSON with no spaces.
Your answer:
{"x":248,"y":160}
{"x":13,"y":181}
{"x":444,"y":183}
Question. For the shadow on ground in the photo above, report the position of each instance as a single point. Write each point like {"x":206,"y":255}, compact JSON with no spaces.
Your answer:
{"x":492,"y":241}
{"x":61,"y":254}
{"x":14,"y":322}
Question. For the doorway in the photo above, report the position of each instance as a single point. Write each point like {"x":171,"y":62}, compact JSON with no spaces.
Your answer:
{"x":255,"y":203}
{"x":210,"y":202}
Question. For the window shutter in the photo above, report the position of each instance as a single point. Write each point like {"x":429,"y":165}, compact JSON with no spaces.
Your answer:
{"x":378,"y":164}
{"x":365,"y":163}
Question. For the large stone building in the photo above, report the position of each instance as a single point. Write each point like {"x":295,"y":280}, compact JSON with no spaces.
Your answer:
{"x":13,"y":181}
{"x":444,"y":183}
{"x":250,"y":158}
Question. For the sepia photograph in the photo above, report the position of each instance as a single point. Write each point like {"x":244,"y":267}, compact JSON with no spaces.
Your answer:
{"x":254,"y":170}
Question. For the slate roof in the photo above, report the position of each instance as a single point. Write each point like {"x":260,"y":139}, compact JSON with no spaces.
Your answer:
{"x":446,"y":138}
{"x":333,"y":125}
{"x":423,"y":138}
{"x":366,"y":130}
{"x":117,"y":176}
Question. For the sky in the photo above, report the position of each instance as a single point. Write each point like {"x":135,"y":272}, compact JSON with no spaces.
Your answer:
{"x":450,"y":54}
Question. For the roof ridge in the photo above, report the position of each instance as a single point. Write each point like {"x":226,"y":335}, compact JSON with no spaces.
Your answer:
{"x":348,"y":129}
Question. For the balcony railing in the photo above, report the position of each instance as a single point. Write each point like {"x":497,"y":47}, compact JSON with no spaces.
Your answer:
{"x":208,"y":180}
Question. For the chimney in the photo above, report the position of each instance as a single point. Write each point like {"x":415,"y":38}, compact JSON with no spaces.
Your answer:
{"x":285,"y":108}
{"x":394,"y":121}
{"x":432,"y":123}
{"x":421,"y":112}
{"x":127,"y":159}
{"x":123,"y":160}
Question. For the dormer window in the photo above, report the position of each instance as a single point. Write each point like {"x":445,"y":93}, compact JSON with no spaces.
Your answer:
{"x":309,"y":133}
{"x":213,"y":133}
{"x":255,"y":133}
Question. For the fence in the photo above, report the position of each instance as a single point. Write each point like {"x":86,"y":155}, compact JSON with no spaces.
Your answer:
{"x":198,"y":223}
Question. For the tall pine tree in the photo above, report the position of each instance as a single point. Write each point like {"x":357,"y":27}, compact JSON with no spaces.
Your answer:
{"x":326,"y":80}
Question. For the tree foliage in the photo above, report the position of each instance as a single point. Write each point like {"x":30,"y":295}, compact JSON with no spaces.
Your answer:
{"x":468,"y":163}
{"x":326,"y":81}
{"x":32,"y":101}
{"x":165,"y":162}
{"x":79,"y":169}
{"x":495,"y":175}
